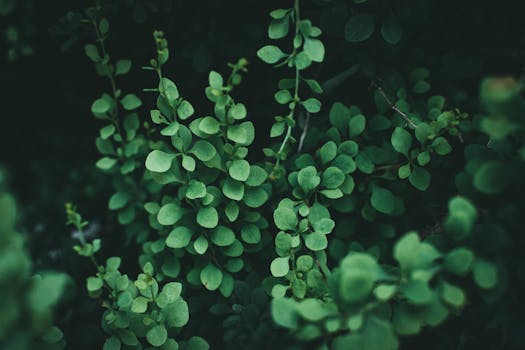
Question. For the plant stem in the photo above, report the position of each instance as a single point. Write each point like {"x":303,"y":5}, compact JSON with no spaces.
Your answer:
{"x":296,"y":95}
{"x":394,"y":107}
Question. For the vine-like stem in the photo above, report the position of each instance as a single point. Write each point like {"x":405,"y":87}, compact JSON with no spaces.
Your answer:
{"x":305,"y":131}
{"x":393,"y":106}
{"x":110,"y":75}
{"x":111,"y":78}
{"x":76,"y":220}
{"x":296,"y":98}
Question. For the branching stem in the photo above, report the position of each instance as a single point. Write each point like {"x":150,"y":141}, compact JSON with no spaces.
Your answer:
{"x":393,"y":106}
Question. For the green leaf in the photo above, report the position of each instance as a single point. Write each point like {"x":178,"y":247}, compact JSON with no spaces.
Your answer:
{"x":401,"y":140}
{"x":201,"y":245}
{"x":171,"y":129}
{"x":404,"y":171}
{"x":332,"y":177}
{"x":328,"y":152}
{"x":312,"y":310}
{"x":485,"y":274}
{"x":283,"y":242}
{"x":208,"y":217}
{"x":411,"y":253}
{"x":232,"y":211}
{"x":107,"y":131}
{"x":279,"y":13}
{"x":243,"y":133}
{"x":100,"y":106}
{"x":284,"y":312}
{"x":250,"y":234}
{"x":417,"y":291}
{"x":92,"y":52}
{"x":188,"y":163}
{"x":112,"y":343}
{"x":215,"y":80}
{"x":280,"y":266}
{"x":278,"y":28}
{"x":459,"y":261}
{"x":211,"y":277}
{"x":222,"y":236}
{"x":419,"y":178}
{"x":314,"y":86}
{"x":357,"y":125}
{"x":203,"y":150}
{"x":122,"y":67}
{"x":461,"y":219}
{"x":179,"y":237}
{"x":176,"y":314}
{"x":238,"y":111}
{"x":359,"y":27}
{"x":277,"y":129}
{"x":305,"y":263}
{"x":131,"y":102}
{"x":316,"y":241}
{"x":169,"y":214}
{"x":314,"y":48}
{"x":355,"y":285}
{"x":382,"y":200}
{"x":103,"y":26}
{"x":227,"y":285}
{"x":302,"y":60}
{"x":308,"y":179}
{"x":391,"y":30}
{"x":239,"y":170}
{"x":139,"y":305}
{"x":423,"y":133}
{"x":345,"y":163}
{"x":491,"y":177}
{"x":233,"y":189}
{"x":324,"y":225}
{"x":209,"y":125}
{"x":423,"y":158}
{"x":441,"y":146}
{"x":94,"y":284}
{"x":157,"y":335}
{"x":421,"y":87}
{"x":196,"y":343}
{"x":159,"y":161}
{"x":270,"y":54}
{"x":285,"y":219}
{"x":385,"y":292}
{"x":312,"y":105}
{"x":436,"y":102}
{"x":118,"y":200}
{"x":452,"y":295}
{"x":185,"y":110}
{"x":196,"y":189}
{"x":283,"y":96}
{"x":257,"y":176}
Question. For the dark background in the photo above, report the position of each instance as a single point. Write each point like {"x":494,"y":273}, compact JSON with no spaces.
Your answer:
{"x":47,"y":132}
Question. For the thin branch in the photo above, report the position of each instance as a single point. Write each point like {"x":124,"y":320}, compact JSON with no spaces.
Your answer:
{"x":303,"y":134}
{"x":392,"y":106}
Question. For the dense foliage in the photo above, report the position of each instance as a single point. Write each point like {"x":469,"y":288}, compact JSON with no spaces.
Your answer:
{"x":352,"y":179}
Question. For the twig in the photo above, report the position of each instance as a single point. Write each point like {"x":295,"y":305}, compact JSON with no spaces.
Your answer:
{"x":460,"y":137}
{"x":392,"y":106}
{"x":303,"y":134}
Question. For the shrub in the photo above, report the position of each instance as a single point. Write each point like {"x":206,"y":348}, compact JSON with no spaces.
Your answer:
{"x":384,"y":225}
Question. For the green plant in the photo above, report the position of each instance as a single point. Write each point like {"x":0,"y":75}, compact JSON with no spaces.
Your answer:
{"x":375,"y":206}
{"x":355,"y":170}
{"x":28,"y":300}
{"x":135,"y":309}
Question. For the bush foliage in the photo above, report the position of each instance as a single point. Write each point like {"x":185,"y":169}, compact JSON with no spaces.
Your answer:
{"x":342,"y":183}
